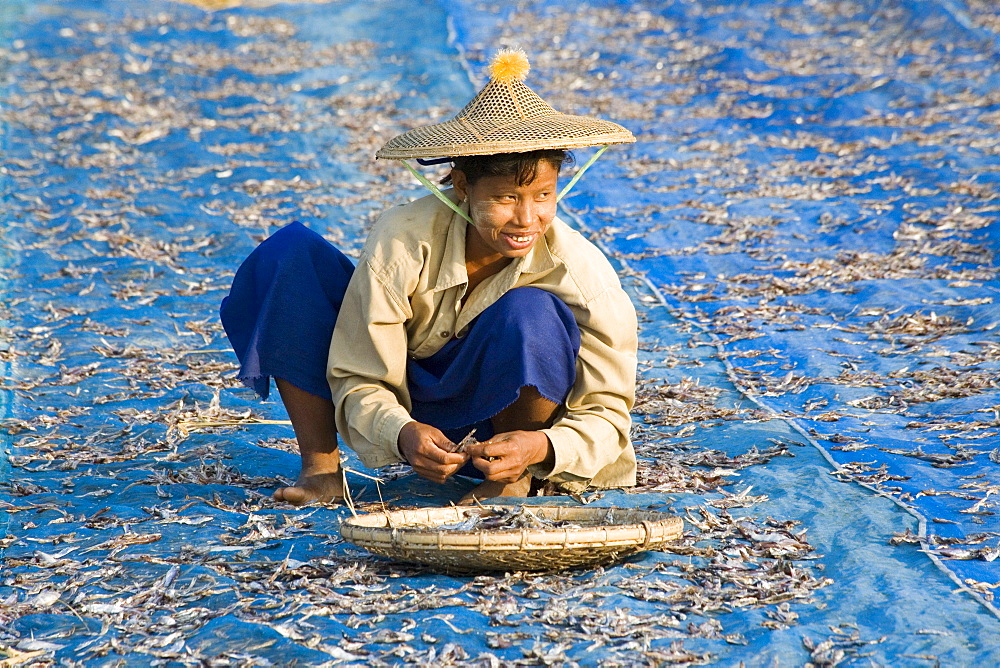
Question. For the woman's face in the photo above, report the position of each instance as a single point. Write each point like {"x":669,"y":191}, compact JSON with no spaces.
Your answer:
{"x":508,"y":219}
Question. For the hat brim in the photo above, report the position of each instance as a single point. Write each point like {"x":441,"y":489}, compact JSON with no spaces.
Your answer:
{"x":462,"y":137}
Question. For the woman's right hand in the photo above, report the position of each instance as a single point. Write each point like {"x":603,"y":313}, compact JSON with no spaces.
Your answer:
{"x":429,"y":451}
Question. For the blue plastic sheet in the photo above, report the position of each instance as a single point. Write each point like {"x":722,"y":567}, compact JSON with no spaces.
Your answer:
{"x":808,"y":225}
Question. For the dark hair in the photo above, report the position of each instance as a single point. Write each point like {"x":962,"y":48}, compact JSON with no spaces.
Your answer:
{"x":522,"y":166}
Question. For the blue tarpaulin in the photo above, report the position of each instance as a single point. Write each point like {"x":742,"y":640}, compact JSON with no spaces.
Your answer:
{"x":807,"y":225}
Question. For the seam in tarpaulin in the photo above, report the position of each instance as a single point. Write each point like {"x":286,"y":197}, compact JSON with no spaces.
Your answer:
{"x":962,"y":18}
{"x":454,"y":42}
{"x":802,"y":431}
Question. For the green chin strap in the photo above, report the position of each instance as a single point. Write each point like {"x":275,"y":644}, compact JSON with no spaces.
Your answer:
{"x":437,"y":192}
{"x":454,"y":207}
{"x":579,"y":173}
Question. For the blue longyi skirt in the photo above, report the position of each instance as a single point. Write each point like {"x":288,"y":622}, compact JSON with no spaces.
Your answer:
{"x":284,"y":302}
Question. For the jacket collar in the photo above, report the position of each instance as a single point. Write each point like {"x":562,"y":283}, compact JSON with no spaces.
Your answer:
{"x":453,"y":270}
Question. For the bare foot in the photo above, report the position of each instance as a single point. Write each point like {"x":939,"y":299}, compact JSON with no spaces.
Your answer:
{"x":491,"y":489}
{"x":321,"y":487}
{"x":315,"y":425}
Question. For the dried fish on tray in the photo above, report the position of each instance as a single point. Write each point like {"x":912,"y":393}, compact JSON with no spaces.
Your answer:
{"x":522,"y":538}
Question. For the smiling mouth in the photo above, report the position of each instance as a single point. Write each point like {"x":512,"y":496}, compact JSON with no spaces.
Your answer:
{"x":520,"y":238}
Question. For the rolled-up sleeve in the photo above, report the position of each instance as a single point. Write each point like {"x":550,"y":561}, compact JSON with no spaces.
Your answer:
{"x":591,"y":439}
{"x":367,"y":366}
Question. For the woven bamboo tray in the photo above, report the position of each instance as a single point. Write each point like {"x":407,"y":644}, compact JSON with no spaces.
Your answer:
{"x":603,"y":535}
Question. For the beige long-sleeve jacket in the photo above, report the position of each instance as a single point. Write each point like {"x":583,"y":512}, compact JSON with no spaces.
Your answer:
{"x":405,"y":299}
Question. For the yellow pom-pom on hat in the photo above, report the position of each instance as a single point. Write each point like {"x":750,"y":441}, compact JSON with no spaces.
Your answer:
{"x":509,"y":65}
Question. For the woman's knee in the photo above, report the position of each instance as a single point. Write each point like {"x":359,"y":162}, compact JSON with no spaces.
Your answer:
{"x":292,"y":240}
{"x":529,"y":310}
{"x":297,"y":259}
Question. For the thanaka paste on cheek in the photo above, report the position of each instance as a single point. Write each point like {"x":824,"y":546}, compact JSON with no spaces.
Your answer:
{"x":481,"y":217}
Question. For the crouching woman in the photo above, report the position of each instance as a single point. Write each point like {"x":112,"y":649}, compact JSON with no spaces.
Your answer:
{"x":470,"y":311}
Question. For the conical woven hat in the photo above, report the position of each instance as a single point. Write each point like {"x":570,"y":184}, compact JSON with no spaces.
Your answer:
{"x":505,"y":117}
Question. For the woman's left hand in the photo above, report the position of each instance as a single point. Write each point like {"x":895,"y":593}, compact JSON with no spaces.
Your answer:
{"x":506,"y":456}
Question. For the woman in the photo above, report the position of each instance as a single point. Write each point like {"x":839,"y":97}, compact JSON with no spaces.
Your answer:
{"x":471,"y":312}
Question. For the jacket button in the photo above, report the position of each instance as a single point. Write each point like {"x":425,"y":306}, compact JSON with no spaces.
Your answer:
{"x":445,"y":335}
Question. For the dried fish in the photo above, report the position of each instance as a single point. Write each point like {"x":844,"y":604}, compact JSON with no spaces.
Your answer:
{"x":773,"y":249}
{"x":516,"y":517}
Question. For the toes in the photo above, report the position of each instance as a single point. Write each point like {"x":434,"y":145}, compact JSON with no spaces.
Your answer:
{"x":293,"y":495}
{"x":297,"y":496}
{"x":322,"y":488}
